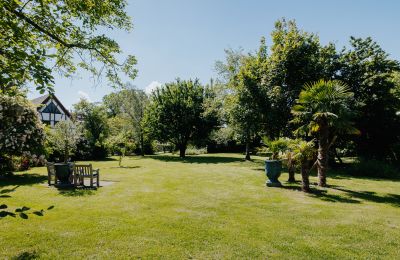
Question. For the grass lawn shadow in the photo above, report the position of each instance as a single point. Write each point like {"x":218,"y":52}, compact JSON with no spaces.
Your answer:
{"x":196,"y":159}
{"x":26,"y":256}
{"x":77,"y":192}
{"x":125,"y":167}
{"x":22,"y":212}
{"x":22,"y":179}
{"x":348,"y":196}
{"x":392,"y":199}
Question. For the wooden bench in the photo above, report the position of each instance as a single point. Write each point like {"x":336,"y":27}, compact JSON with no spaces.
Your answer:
{"x":86,"y":171}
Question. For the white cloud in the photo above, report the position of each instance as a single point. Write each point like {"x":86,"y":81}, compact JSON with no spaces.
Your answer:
{"x":152,"y":86}
{"x":84,"y":95}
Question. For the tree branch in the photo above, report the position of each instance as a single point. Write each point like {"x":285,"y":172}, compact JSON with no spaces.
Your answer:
{"x":56,"y":38}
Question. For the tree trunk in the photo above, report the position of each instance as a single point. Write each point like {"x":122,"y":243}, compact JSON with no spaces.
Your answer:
{"x":290,"y":166}
{"x":305,"y":183}
{"x":141,"y":145}
{"x":323,"y":154}
{"x":182,"y":150}
{"x":247,"y":151}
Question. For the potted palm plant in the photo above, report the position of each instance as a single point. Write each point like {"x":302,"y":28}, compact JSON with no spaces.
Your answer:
{"x":64,"y":138}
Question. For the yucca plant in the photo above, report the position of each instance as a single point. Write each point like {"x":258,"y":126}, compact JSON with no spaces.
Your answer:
{"x":323,"y":110}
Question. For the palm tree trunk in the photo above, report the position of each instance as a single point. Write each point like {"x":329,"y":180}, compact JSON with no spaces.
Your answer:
{"x":323,"y":154}
{"x":305,"y":184}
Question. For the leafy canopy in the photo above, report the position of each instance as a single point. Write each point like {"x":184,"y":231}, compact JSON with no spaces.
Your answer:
{"x":39,"y":37}
{"x":177,"y":113}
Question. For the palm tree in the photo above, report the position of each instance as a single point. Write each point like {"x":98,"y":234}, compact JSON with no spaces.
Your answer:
{"x":303,"y":153}
{"x":323,"y":109}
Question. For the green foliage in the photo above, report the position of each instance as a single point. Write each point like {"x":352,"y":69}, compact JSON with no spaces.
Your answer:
{"x":177,"y":114}
{"x":95,"y":126}
{"x":303,"y":151}
{"x":373,"y":168}
{"x":277,"y":147}
{"x":296,"y":58}
{"x":40,"y":37}
{"x":129,"y":105}
{"x":192,"y":150}
{"x":64,"y":138}
{"x":368,"y":70}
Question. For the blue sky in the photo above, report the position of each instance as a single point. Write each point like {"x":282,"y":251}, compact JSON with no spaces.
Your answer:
{"x":184,"y":38}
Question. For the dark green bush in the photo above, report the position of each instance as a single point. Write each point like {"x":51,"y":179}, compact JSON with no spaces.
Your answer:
{"x":374,"y":168}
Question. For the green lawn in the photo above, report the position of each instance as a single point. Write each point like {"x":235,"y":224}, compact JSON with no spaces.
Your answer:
{"x":211,"y":206}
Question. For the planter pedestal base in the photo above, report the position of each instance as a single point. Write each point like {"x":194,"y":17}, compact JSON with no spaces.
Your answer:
{"x":273,"y":184}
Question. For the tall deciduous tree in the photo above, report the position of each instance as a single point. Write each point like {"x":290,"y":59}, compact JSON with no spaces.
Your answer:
{"x":133,"y":106}
{"x":323,"y":109}
{"x":296,"y":58}
{"x":38,"y":37}
{"x":177,"y":114}
{"x":130,"y":104}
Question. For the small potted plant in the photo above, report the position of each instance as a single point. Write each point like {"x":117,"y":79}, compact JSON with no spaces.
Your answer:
{"x":273,"y":165}
{"x":64,"y":138}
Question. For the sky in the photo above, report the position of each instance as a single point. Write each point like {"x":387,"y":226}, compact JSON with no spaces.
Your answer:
{"x":184,"y":38}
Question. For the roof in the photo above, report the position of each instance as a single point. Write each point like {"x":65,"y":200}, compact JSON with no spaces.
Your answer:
{"x":40,"y":100}
{"x":43,"y":100}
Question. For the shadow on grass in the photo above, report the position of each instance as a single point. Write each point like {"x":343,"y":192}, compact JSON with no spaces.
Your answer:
{"x":77,"y":192}
{"x":23,"y":212}
{"x":196,"y":159}
{"x":125,"y":167}
{"x":392,"y":199}
{"x":26,"y":256}
{"x":349,"y":196}
{"x":22,"y":179}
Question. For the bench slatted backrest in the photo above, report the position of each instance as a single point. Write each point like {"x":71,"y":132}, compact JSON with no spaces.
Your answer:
{"x":84,"y":170}
{"x":51,"y":169}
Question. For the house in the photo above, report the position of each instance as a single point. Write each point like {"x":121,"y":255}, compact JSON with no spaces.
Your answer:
{"x":51,"y":110}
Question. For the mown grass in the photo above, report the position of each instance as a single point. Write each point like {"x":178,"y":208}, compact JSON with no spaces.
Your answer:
{"x":208,"y":206}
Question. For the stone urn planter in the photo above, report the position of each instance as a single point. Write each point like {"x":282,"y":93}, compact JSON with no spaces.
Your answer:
{"x":63,"y":173}
{"x":273,"y":170}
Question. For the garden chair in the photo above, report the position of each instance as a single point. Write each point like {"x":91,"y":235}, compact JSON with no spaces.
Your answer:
{"x":86,"y":171}
{"x":51,"y":173}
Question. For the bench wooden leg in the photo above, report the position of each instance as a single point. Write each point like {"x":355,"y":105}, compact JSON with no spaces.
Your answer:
{"x":98,"y":181}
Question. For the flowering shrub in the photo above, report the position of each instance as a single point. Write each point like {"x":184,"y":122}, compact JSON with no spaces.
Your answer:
{"x":21,"y":130}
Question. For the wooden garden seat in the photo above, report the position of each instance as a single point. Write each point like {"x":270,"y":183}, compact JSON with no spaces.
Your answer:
{"x":51,"y":174}
{"x":86,"y":171}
